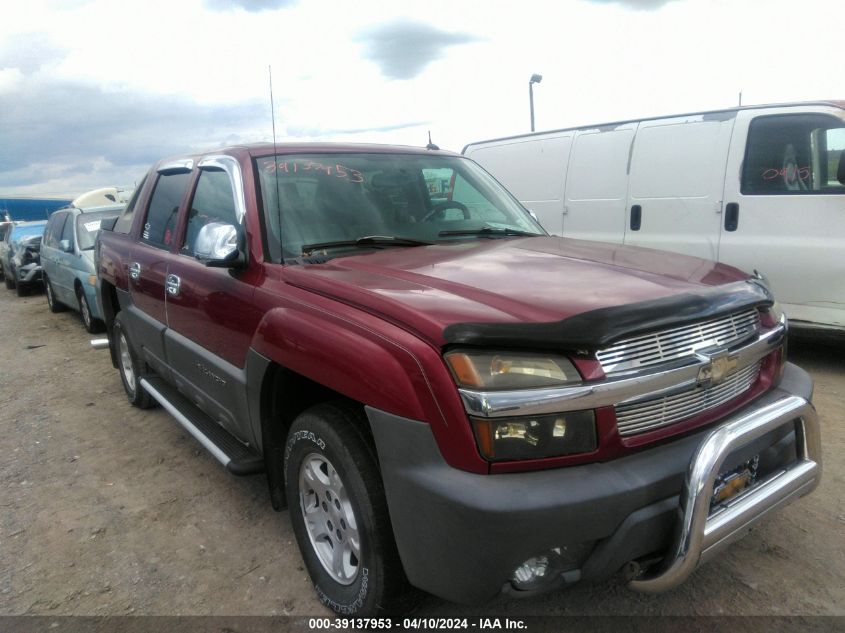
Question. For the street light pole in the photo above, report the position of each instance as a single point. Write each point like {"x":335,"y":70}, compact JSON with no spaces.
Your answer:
{"x":535,"y":79}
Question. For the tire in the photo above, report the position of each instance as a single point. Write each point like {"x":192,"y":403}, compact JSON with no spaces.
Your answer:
{"x":22,"y":290}
{"x":10,"y":280}
{"x":130,"y":368}
{"x":332,"y":476}
{"x":92,"y":325}
{"x":52,"y":302}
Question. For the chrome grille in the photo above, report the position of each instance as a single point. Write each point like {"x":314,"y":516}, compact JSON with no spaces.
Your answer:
{"x":658,"y":412}
{"x":677,"y":343}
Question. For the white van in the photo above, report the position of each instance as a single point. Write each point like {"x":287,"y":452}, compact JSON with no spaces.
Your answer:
{"x":759,"y":187}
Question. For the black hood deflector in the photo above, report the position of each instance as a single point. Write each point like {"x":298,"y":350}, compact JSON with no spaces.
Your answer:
{"x":591,"y":331}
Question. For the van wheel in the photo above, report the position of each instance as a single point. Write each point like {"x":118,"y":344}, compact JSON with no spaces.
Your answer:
{"x":52,"y":303}
{"x":130,"y":367}
{"x":339,"y":513}
{"x":91,"y":324}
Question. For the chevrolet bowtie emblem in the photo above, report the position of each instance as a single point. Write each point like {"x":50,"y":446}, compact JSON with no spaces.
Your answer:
{"x":720,"y":365}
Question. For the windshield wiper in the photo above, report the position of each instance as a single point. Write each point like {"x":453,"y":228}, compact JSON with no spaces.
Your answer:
{"x":365,"y":242}
{"x":491,"y":231}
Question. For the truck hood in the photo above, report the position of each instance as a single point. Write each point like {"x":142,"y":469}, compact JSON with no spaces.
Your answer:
{"x":533,"y":280}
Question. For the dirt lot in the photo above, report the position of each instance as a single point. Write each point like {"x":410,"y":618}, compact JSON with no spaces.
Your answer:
{"x":108,"y":510}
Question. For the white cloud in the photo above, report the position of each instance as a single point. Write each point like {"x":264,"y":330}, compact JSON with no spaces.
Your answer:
{"x":201,"y":72}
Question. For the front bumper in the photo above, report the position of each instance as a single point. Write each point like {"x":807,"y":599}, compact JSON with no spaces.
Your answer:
{"x":461,"y":535}
{"x":29,"y":274}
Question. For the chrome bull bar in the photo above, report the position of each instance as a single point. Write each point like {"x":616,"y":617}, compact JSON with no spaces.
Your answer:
{"x":700,"y":534}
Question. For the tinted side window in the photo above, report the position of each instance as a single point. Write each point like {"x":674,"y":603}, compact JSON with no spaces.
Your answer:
{"x":124,"y":222}
{"x":794,"y":154}
{"x":213,"y":202}
{"x":160,"y":222}
{"x":67,"y":231}
{"x":54,"y":230}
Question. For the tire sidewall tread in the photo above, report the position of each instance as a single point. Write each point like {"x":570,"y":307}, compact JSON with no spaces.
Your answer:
{"x":137,"y":397}
{"x":332,"y":431}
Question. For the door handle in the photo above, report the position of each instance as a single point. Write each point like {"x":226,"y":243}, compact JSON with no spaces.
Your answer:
{"x":636,"y":217}
{"x":731,"y":216}
{"x":134,"y":270}
{"x":173,"y":283}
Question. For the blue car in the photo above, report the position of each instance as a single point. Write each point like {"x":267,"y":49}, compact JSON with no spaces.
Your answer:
{"x":19,"y":260}
{"x":67,"y":256}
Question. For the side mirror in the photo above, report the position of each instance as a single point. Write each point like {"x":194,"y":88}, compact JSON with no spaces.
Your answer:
{"x":217,"y":245}
{"x":66,"y":246}
{"x":107,"y":224}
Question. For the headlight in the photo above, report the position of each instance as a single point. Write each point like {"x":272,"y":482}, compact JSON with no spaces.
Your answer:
{"x":510,"y":370}
{"x":536,"y":437}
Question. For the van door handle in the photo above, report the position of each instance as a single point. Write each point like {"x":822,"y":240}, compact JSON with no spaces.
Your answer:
{"x":636,"y":217}
{"x":731,"y":216}
{"x":173,"y":284}
{"x":134,"y":270}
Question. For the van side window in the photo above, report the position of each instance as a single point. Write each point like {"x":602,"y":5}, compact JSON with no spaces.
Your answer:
{"x":54,"y":230}
{"x":67,"y":231}
{"x":794,"y":154}
{"x":124,"y":222}
{"x":213,"y":202}
{"x":160,"y":223}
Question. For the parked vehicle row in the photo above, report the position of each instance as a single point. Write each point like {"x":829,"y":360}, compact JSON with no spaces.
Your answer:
{"x":439,"y":392}
{"x":59,"y":254}
{"x":412,"y":360}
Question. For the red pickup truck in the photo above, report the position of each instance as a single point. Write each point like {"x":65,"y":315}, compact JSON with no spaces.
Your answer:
{"x":441,"y":393}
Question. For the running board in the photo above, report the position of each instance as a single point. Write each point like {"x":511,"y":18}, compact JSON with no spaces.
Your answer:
{"x":226,"y":449}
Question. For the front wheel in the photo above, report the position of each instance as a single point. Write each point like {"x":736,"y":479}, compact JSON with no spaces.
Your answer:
{"x":91,"y":324}
{"x":52,"y":303}
{"x":339,"y":512}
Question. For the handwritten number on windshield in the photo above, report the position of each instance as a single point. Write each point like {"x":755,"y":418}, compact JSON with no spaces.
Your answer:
{"x":294,"y":167}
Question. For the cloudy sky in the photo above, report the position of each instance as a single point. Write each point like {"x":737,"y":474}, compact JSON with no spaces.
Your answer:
{"x":93,"y":91}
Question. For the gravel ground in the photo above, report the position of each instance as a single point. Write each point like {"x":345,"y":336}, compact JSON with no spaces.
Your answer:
{"x":108,"y":510}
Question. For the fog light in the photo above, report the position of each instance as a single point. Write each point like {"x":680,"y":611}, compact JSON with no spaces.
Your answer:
{"x":532,"y":573}
{"x":544,"y":569}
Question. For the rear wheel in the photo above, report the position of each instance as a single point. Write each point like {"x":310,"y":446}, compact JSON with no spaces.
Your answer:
{"x":339,"y":513}
{"x":91,"y":324}
{"x":52,"y":303}
{"x":130,"y":367}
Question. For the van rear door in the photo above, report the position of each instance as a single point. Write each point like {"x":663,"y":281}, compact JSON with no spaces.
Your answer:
{"x":676,"y":182}
{"x":785,"y":207}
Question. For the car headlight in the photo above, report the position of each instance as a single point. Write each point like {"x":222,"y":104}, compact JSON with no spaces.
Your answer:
{"x":535,"y":437}
{"x":510,"y":370}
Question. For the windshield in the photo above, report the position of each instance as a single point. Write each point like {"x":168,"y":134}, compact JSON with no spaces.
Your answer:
{"x":87,"y":227}
{"x":320,"y":198}
{"x":23,"y":231}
